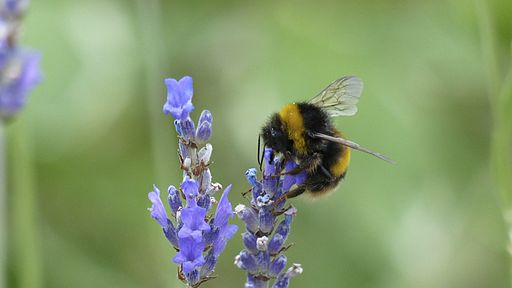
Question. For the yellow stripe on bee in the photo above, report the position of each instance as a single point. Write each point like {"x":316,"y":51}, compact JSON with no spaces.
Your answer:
{"x":294,"y":124}
{"x":342,"y":164}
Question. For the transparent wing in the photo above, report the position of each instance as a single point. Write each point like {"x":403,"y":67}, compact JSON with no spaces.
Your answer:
{"x":340,"y":97}
{"x":352,"y":145}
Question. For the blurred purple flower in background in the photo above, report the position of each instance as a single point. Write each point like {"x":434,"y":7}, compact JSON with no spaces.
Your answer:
{"x":14,"y":8}
{"x":19,"y":67}
{"x":264,"y":241}
{"x":198,"y":237}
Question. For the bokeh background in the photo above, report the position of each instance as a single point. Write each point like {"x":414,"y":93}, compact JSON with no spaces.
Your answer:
{"x":95,"y":139}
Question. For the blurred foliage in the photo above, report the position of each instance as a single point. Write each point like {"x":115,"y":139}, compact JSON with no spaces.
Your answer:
{"x":432,"y":220}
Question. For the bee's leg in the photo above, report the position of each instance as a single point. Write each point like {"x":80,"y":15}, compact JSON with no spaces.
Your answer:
{"x":310,"y":163}
{"x":280,"y":212}
{"x":290,"y":194}
{"x":244,"y":194}
{"x":326,"y":172}
{"x":295,"y":192}
{"x":294,"y":171}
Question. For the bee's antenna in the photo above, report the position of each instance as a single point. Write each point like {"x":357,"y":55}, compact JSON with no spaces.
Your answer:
{"x":262,"y":156}
{"x":260,"y":160}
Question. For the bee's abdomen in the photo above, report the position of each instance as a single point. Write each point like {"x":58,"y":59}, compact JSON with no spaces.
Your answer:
{"x":336,"y":157}
{"x":320,"y":185}
{"x":340,"y":166}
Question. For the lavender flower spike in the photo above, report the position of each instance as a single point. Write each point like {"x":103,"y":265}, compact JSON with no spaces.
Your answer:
{"x":264,"y":241}
{"x":201,"y":234}
{"x":19,"y":66}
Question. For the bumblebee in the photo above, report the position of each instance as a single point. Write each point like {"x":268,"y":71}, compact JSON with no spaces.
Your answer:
{"x":304,"y":133}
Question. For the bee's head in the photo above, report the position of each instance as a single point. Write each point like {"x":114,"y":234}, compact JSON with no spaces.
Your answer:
{"x":275,"y":135}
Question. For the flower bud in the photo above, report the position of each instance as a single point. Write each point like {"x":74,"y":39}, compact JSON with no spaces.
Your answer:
{"x":187,"y":128}
{"x":174,"y":199}
{"x":277,"y":265}
{"x":205,"y":153}
{"x":204,"y":132}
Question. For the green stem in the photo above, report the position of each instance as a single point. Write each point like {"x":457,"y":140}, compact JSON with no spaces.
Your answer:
{"x":153,"y":58}
{"x":22,"y":209}
{"x":500,"y":96}
{"x":501,"y":153}
{"x":488,"y":40}
{"x":151,"y":34}
{"x":3,"y":207}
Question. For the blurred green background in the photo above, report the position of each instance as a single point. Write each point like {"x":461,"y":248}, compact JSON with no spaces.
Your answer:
{"x":97,"y":139}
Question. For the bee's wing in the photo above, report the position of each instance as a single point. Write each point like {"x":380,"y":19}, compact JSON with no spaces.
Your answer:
{"x":340,"y":97}
{"x":353,"y":145}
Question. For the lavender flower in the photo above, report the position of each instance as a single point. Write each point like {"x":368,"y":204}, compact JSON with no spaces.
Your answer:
{"x":19,"y":67}
{"x":264,"y":241}
{"x":198,"y":237}
{"x":179,"y":97}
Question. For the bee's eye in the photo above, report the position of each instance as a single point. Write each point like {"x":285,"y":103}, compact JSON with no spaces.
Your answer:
{"x":273,"y":132}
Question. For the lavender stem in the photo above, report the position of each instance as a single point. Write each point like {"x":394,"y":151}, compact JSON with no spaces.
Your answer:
{"x":150,"y":31}
{"x":3,"y":207}
{"x":26,"y":260}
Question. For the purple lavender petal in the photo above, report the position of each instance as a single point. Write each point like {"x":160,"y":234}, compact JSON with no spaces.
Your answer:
{"x":270,"y":174}
{"x":157,"y":208}
{"x":211,"y":236}
{"x":190,"y":254}
{"x":301,"y":177}
{"x":170,"y":234}
{"x":190,"y":189}
{"x":224,"y":209}
{"x":270,"y":169}
{"x":204,"y":201}
{"x":289,"y":180}
{"x":209,"y":265}
{"x":179,"y":97}
{"x":224,"y":235}
{"x":193,"y":222}
{"x":186,"y":87}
